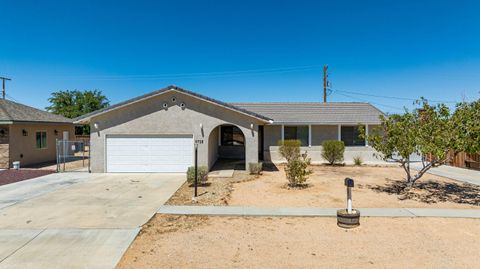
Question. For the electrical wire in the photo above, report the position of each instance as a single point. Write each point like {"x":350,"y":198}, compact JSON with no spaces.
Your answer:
{"x":394,"y":97}
{"x":374,"y":103}
{"x":200,"y":74}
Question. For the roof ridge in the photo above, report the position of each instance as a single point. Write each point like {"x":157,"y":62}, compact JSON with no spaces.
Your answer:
{"x":299,"y":103}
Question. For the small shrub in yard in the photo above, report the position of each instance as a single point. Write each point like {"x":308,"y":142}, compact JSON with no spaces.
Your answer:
{"x":333,"y":151}
{"x":296,"y":169}
{"x":202,"y":174}
{"x":255,"y":168}
{"x":357,"y":160}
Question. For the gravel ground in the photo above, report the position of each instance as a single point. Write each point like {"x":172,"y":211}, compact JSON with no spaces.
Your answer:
{"x":11,"y":175}
{"x":234,"y":242}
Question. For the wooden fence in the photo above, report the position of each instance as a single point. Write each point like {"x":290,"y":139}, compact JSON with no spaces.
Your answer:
{"x":464,"y":160}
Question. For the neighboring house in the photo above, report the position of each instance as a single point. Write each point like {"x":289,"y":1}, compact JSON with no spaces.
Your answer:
{"x":156,"y":132}
{"x":28,"y":134}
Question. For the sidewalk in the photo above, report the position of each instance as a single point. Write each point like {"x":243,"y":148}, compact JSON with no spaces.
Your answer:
{"x":460,"y":174}
{"x":317,"y":212}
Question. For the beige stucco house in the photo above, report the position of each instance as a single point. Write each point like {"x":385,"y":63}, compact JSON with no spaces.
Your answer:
{"x":28,"y":134}
{"x":157,"y":132}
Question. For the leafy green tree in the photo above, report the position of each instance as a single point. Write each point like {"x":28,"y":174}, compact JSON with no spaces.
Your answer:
{"x":72,"y":104}
{"x":429,"y":130}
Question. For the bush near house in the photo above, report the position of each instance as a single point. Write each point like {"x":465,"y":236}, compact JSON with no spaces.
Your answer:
{"x":332,"y":151}
{"x":357,"y":160}
{"x":255,"y":168}
{"x":202,"y":174}
{"x":296,"y":169}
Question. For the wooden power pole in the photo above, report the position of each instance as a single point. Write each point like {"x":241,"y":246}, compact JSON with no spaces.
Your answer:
{"x":325,"y":83}
{"x":3,"y":85}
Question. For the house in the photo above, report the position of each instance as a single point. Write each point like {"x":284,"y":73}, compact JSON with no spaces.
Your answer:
{"x":156,"y":132}
{"x":28,"y":134}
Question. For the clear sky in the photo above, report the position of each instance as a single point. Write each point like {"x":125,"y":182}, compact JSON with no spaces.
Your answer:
{"x":243,"y":50}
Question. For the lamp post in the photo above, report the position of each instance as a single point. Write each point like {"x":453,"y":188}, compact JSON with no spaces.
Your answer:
{"x":196,"y":171}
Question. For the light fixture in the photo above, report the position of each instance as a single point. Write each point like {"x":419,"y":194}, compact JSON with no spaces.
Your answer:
{"x":251,"y":126}
{"x":24,"y":132}
{"x":55,"y":132}
{"x":201,"y":126}
{"x":95,"y":125}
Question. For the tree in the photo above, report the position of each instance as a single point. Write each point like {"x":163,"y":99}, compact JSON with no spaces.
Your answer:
{"x":72,"y":104}
{"x":430,"y":130}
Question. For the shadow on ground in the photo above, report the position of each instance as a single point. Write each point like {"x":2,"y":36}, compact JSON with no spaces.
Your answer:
{"x":431,"y":192}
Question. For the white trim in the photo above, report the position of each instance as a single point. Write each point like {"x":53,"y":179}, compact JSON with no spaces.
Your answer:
{"x":283,"y":132}
{"x":366,"y":135}
{"x":339,"y":132}
{"x":310,"y":135}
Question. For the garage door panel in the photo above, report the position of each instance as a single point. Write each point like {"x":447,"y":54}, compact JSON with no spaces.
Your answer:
{"x":149,"y":154}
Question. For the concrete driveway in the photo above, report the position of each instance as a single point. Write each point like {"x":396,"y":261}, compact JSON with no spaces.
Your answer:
{"x":78,"y":220}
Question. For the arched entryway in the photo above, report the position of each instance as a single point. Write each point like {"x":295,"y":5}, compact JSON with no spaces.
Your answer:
{"x":226,"y":147}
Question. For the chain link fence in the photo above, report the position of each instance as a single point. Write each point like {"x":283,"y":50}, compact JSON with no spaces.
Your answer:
{"x":73,"y":155}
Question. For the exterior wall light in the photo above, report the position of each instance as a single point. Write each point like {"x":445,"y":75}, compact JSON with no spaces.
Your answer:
{"x":55,"y":132}
{"x":251,"y":126}
{"x":95,"y":125}
{"x":24,"y":132}
{"x":201,"y":126}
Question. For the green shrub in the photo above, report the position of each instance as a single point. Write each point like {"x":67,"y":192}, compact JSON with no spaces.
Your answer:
{"x":202,"y":174}
{"x":296,"y":169}
{"x":255,"y":168}
{"x":333,"y":151}
{"x":357,"y":160}
{"x":290,"y":149}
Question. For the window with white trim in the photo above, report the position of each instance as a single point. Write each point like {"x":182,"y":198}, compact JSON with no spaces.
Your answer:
{"x":41,"y":139}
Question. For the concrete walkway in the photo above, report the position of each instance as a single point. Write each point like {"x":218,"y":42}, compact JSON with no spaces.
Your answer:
{"x":78,"y":220}
{"x":316,"y":212}
{"x":459,"y":174}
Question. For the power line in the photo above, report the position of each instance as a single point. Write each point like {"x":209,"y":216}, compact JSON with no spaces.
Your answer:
{"x":201,"y":74}
{"x":394,"y":97}
{"x":363,"y":100}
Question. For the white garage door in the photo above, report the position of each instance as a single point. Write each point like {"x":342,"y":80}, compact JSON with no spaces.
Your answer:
{"x":149,"y":154}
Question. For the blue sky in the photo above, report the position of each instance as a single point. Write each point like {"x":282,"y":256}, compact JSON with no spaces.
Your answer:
{"x":127,"y":48}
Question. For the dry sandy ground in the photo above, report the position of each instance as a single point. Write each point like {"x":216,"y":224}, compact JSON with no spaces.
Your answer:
{"x":374,"y":187}
{"x":227,"y":242}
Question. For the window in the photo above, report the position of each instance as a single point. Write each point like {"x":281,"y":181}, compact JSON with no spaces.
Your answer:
{"x":232,"y":136}
{"x":350,"y":136}
{"x":41,"y":138}
{"x":296,"y":132}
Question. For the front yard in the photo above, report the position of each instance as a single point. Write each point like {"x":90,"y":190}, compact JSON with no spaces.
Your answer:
{"x":228,"y":242}
{"x":168,"y":241}
{"x":374,"y":187}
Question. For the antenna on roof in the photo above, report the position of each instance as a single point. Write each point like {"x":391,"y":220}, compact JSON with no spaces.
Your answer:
{"x":3,"y":85}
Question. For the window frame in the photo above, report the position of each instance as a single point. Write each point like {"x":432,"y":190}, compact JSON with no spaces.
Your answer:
{"x":232,"y":141}
{"x":46,"y":139}
{"x":354,"y":139}
{"x":307,"y":132}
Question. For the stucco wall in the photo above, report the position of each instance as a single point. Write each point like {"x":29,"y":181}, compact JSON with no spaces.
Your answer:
{"x":26,"y":145}
{"x":213,"y":147}
{"x":319,"y":134}
{"x":4,"y":147}
{"x":148,"y":117}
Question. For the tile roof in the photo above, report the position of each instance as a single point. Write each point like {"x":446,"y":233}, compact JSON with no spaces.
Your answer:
{"x":316,"y":113}
{"x":14,"y":112}
{"x":86,"y":117}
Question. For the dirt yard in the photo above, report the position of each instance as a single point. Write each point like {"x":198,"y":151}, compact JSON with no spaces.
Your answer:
{"x":12,"y":175}
{"x":227,"y":242}
{"x":374,"y":187}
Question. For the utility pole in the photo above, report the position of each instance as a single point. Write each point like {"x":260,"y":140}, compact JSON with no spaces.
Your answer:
{"x":3,"y":85}
{"x":325,"y":83}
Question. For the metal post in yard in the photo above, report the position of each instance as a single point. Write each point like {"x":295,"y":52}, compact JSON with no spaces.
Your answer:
{"x":56,"y":154}
{"x":196,"y":170}
{"x":83,"y":153}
